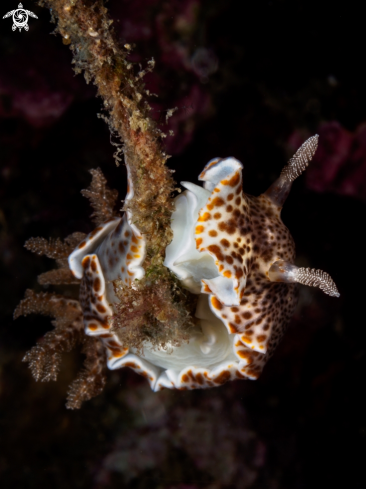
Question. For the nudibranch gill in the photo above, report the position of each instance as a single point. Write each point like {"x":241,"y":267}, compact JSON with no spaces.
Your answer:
{"x":229,"y":250}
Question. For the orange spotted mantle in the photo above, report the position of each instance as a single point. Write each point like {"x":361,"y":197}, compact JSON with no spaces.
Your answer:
{"x":232,"y":250}
{"x":245,"y":235}
{"x":112,"y":251}
{"x":224,"y":243}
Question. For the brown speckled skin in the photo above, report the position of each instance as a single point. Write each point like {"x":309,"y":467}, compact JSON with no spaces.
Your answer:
{"x":96,"y":310}
{"x":266,"y":307}
{"x":273,"y":301}
{"x":271,"y":304}
{"x":245,"y":235}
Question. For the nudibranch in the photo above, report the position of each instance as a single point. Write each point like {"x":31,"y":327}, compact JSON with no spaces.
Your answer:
{"x":228,"y":248}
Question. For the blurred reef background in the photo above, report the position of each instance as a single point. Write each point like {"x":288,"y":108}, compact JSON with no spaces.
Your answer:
{"x":251,"y":80}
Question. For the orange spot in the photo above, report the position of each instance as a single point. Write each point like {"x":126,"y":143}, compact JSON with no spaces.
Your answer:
{"x":131,"y":365}
{"x":185,"y":378}
{"x":199,"y":229}
{"x":199,"y":378}
{"x":206,"y":288}
{"x":246,"y":340}
{"x":216,"y":160}
{"x":225,"y":243}
{"x":216,"y":303}
{"x":229,"y":260}
{"x":246,"y":355}
{"x":81,"y":245}
{"x":221,"y":267}
{"x":205,"y":217}
{"x":116,"y":353}
{"x":261,"y":338}
{"x":198,"y":242}
{"x":85,"y":262}
{"x":216,"y":251}
{"x":96,"y":230}
{"x":134,"y":249}
{"x":213,"y":233}
{"x":252,"y":373}
{"x":122,"y":269}
{"x":218,"y":202}
{"x":129,"y":257}
{"x":129,"y":273}
{"x":223,"y":377}
{"x":134,"y":240}
{"x":239,"y":273}
{"x":127,"y":233}
{"x":227,"y":273}
{"x":232,"y":327}
{"x":97,"y":284}
{"x":93,"y":327}
{"x":234,"y":180}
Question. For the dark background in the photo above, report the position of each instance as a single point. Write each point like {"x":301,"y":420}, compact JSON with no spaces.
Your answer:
{"x":252,"y":80}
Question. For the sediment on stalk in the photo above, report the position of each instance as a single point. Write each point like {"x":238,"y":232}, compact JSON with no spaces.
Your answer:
{"x":86,"y":28}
